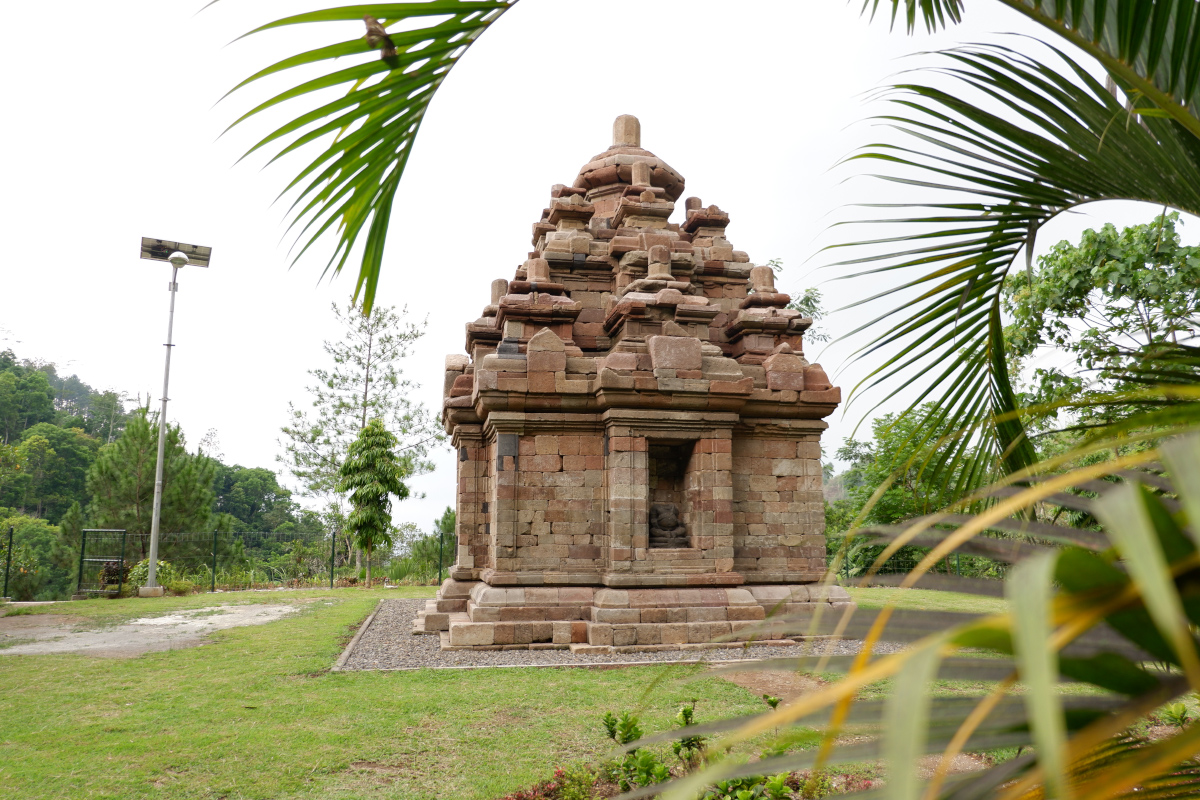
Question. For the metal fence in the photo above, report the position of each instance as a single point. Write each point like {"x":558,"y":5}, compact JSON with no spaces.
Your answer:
{"x":112,"y":560}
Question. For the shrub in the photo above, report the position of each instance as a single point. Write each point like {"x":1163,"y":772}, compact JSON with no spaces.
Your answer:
{"x":139,"y":573}
{"x":179,"y":587}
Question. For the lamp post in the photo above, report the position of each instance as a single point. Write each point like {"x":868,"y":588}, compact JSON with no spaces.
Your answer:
{"x":177,"y":254}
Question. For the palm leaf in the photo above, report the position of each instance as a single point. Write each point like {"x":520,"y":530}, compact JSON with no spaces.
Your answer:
{"x":1075,"y":615}
{"x":347,"y":190}
{"x":1151,"y":46}
{"x":1059,"y":139}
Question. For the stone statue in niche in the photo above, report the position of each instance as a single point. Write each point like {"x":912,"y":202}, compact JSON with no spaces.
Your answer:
{"x":666,"y":528}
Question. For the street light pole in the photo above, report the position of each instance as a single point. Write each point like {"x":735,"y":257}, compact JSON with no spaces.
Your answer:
{"x":180,"y":254}
{"x":177,"y":260}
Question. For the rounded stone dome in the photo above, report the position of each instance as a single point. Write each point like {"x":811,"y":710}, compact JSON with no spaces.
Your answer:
{"x":614,"y":167}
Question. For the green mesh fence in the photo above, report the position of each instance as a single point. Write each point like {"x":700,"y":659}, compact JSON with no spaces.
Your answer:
{"x":111,"y":560}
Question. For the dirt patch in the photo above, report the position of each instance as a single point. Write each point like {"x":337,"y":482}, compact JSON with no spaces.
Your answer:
{"x":963,"y":762}
{"x":51,"y":633}
{"x":784,"y":684}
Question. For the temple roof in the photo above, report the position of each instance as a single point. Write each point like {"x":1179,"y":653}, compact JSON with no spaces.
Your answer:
{"x":613,"y":170}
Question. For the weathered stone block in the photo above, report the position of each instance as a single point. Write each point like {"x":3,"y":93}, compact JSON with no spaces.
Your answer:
{"x":600,"y":634}
{"x":674,"y":352}
{"x":471,"y":634}
{"x":624,"y":635}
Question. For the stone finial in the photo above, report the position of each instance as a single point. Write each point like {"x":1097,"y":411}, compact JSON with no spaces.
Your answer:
{"x":641,"y":173}
{"x":763,"y":279}
{"x":499,"y":289}
{"x":692,"y":204}
{"x":627,"y":131}
{"x":659,"y":259}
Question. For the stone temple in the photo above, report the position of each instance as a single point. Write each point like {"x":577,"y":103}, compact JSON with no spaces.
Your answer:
{"x":638,"y":431}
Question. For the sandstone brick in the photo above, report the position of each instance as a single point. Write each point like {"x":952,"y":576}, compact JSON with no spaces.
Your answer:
{"x":474,"y":634}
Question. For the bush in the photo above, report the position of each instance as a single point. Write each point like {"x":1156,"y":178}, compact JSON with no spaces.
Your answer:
{"x":139,"y":573}
{"x":179,"y":587}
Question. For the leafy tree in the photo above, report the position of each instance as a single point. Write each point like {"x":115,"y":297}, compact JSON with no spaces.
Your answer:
{"x":11,"y":465}
{"x":65,"y":553}
{"x":65,"y":480}
{"x":39,"y":577}
{"x":372,"y":473}
{"x":254,"y":498}
{"x":26,"y":398}
{"x":1107,"y":300}
{"x":366,"y":381}
{"x":38,"y":455}
{"x":121,"y":482}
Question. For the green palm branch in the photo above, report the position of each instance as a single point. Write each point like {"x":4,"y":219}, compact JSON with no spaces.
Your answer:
{"x":1110,"y":608}
{"x":1058,"y":139}
{"x":348,"y":189}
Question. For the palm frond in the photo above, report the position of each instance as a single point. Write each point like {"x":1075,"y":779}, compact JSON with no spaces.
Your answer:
{"x":348,"y":189}
{"x":1151,"y":46}
{"x":1057,"y":139}
{"x":1075,"y":614}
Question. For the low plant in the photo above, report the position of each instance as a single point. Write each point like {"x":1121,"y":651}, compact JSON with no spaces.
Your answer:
{"x":774,"y":787}
{"x":575,"y":782}
{"x":139,"y":573}
{"x":179,"y":587}
{"x":638,"y":767}
{"x":817,"y":785}
{"x":688,"y":749}
{"x":1175,"y":714}
{"x":112,"y":573}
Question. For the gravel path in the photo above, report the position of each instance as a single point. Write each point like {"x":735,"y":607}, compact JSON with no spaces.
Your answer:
{"x":390,"y":644}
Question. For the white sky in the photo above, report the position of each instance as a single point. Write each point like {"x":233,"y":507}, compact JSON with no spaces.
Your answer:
{"x":112,"y":135}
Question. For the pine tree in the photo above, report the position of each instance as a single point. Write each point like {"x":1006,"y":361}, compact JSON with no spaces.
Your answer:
{"x":372,"y":472}
{"x":121,"y":482}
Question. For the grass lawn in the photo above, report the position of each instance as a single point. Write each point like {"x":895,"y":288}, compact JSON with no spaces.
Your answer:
{"x":257,"y":714}
{"x":927,"y":599}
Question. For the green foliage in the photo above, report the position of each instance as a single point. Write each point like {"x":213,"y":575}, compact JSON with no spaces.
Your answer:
{"x":121,"y":482}
{"x":1108,"y":299}
{"x":57,"y":460}
{"x":809,"y":304}
{"x":420,"y":557}
{"x":688,"y":749}
{"x":1175,"y":714}
{"x":576,"y":782}
{"x":372,"y":473}
{"x":139,"y":573}
{"x":351,"y":184}
{"x":26,"y":398}
{"x":254,"y":499}
{"x":34,"y":575}
{"x":365,"y":381}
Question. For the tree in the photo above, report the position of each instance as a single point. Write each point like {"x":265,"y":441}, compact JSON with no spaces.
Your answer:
{"x":65,"y":480}
{"x":365,"y":381}
{"x":1108,"y":299}
{"x":372,"y":473}
{"x":254,"y":498}
{"x":121,"y":482}
{"x":38,"y":577}
{"x":26,"y":398}
{"x":38,"y":455}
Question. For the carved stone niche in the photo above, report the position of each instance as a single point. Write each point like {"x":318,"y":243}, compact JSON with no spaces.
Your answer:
{"x":670,"y":502}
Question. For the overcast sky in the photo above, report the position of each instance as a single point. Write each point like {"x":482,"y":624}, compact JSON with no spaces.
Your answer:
{"x":113,"y":135}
